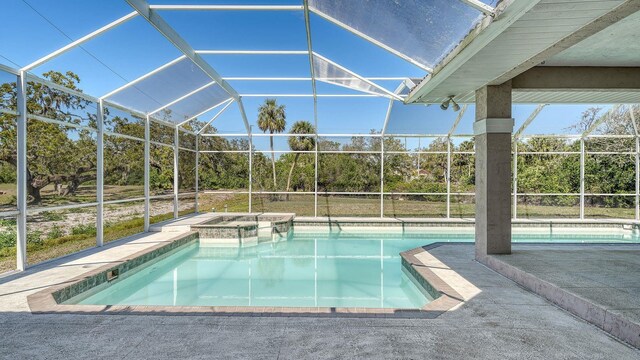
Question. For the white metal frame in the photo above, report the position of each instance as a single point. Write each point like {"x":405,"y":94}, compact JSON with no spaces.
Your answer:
{"x":252,"y":52}
{"x":176,"y":195}
{"x":227,"y":7}
{"x":516,"y":138}
{"x":228,"y":103}
{"x":389,"y":93}
{"x":145,"y":76}
{"x":307,"y":24}
{"x":21,"y":233}
{"x":284,"y":78}
{"x":147,"y":151}
{"x":202,"y":113}
{"x":476,"y":4}
{"x":149,"y":13}
{"x":479,"y":5}
{"x":583,"y":154}
{"x":637,"y":159}
{"x":312,"y":95}
{"x":163,"y":107}
{"x":100,"y":175}
{"x":176,"y":170}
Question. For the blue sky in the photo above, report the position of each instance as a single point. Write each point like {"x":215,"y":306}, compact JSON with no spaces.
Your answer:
{"x":135,"y":48}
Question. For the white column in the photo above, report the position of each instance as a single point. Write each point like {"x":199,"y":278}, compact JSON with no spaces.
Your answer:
{"x":100,"y":176}
{"x":175,"y":172}
{"x":21,"y":241}
{"x":147,"y":150}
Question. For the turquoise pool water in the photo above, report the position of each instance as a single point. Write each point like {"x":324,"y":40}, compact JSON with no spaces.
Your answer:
{"x":307,"y":270}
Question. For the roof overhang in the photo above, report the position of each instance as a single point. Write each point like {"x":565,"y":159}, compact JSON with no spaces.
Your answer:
{"x":524,"y":34}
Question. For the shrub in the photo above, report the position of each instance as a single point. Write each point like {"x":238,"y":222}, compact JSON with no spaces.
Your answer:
{"x":83,"y":229}
{"x":7,"y":222}
{"x":8,"y":238}
{"x":55,"y":232}
{"x":34,"y":237}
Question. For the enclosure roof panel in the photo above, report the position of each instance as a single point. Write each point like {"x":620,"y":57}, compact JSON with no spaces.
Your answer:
{"x":423,"y":31}
{"x":220,"y":41}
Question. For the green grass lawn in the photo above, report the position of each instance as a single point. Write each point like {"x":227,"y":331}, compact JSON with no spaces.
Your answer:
{"x":358,"y":205}
{"x":234,"y":202}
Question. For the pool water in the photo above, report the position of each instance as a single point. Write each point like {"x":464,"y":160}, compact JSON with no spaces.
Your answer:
{"x":324,"y":269}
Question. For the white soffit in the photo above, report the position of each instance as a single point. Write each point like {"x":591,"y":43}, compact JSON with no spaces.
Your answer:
{"x":523,"y":35}
{"x":617,"y":45}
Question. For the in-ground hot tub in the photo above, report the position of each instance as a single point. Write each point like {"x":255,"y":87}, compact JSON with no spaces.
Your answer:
{"x":244,"y":229}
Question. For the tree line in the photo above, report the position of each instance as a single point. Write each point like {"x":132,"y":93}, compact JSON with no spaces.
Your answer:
{"x":64,"y":157}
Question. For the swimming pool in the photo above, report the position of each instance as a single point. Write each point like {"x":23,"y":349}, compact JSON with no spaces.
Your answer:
{"x":312,"y":268}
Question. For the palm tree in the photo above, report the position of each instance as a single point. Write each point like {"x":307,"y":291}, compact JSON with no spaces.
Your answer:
{"x":272,"y":118}
{"x":302,"y":142}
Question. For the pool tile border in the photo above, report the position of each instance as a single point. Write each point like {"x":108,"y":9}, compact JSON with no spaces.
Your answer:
{"x":49,"y":300}
{"x":55,"y":295}
{"x":408,"y":222}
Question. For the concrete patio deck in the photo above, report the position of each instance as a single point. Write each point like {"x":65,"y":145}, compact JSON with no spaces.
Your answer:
{"x":499,"y":319}
{"x":599,"y":283}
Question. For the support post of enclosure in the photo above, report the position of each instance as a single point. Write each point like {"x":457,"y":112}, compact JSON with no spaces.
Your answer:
{"x":450,"y":150}
{"x":637,"y":200}
{"x":582,"y":156}
{"x":21,"y":241}
{"x":382,"y":176}
{"x":197,"y":208}
{"x":315,"y":179}
{"x":250,"y":168}
{"x":147,"y":151}
{"x":175,"y":171}
{"x":307,"y":23}
{"x":594,"y":125}
{"x":516,"y":138}
{"x":493,"y":132}
{"x":419,"y":147}
{"x":100,"y":175}
{"x":637,"y":158}
{"x":515,"y":177}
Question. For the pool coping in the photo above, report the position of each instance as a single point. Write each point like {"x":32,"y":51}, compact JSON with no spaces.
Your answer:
{"x":439,"y":289}
{"x":45,"y":302}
